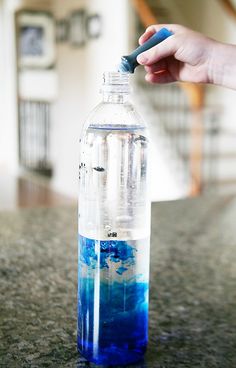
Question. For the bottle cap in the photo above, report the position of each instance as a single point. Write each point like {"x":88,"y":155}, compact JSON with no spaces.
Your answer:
{"x":115,"y":82}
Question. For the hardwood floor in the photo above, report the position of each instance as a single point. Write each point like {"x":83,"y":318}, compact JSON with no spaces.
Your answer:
{"x":25,"y":192}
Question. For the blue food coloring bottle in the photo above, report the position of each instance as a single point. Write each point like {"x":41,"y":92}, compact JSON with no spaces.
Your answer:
{"x":114,"y":230}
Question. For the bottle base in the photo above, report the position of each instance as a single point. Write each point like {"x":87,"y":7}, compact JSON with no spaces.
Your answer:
{"x":112,"y":355}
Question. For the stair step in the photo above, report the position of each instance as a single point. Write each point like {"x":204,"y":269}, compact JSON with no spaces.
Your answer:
{"x":226,"y":182}
{"x":221,"y":187}
{"x":215,"y":156}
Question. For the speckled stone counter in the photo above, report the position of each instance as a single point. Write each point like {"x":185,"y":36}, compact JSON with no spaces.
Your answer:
{"x":192,"y":298}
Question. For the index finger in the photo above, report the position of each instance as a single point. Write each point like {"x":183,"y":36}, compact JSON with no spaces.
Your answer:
{"x":156,"y":27}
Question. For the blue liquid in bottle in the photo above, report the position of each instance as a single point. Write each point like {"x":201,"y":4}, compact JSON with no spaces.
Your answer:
{"x":113,"y":313}
{"x":114,"y":226}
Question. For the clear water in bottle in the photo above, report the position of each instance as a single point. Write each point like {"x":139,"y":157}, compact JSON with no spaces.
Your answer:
{"x":114,"y":230}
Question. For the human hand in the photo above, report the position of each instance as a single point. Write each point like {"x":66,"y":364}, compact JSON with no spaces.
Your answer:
{"x":184,"y":56}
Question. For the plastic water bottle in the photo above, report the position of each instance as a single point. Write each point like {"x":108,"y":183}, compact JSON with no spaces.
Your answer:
{"x":114,"y":230}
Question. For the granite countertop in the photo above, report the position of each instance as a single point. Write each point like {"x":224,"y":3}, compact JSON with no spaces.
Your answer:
{"x":193,"y":286}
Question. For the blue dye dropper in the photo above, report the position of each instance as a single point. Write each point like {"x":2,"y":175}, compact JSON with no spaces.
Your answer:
{"x":129,"y":62}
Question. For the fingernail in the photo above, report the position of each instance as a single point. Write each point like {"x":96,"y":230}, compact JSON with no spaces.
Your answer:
{"x":141,"y":59}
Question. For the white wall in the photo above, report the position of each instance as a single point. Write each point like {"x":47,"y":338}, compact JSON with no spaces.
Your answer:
{"x":8,"y":105}
{"x":208,"y":17}
{"x":1,"y":89}
{"x":80,"y":76}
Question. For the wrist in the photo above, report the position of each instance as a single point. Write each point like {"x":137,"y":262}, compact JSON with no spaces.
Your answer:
{"x":222,"y":65}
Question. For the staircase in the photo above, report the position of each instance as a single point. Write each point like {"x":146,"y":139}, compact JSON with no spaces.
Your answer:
{"x":168,"y":113}
{"x":198,"y":155}
{"x":169,"y":177}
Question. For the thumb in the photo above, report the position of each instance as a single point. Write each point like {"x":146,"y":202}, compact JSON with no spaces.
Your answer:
{"x":166,"y":48}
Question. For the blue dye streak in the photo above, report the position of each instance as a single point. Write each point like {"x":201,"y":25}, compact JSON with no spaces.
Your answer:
{"x":112,"y":250}
{"x":119,"y":308}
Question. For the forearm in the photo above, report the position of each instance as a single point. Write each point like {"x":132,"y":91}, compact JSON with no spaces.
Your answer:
{"x":222,"y":66}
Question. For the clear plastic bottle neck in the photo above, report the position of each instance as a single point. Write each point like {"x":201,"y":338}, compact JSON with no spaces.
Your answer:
{"x":115,"y":88}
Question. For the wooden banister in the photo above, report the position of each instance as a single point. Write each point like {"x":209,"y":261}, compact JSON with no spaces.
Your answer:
{"x":229,"y":7}
{"x":144,"y":12}
{"x":195,"y":93}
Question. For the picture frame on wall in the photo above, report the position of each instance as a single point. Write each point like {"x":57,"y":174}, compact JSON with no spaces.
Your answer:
{"x":78,"y":34}
{"x":94,"y":26}
{"x":36,"y":40}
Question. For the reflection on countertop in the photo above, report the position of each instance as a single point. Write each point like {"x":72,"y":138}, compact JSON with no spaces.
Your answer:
{"x":29,"y":191}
